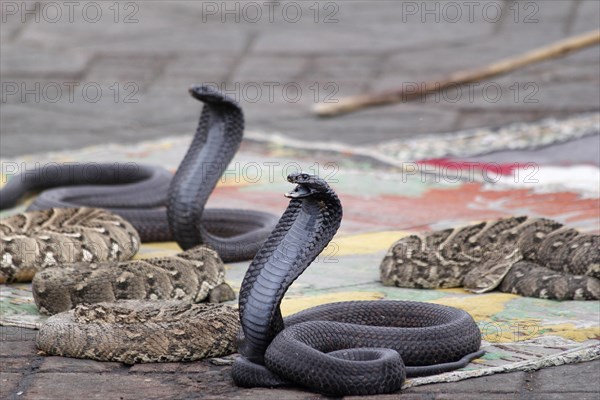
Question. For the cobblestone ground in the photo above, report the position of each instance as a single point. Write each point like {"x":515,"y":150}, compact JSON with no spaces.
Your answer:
{"x":80,"y":73}
{"x":94,"y":72}
{"x":28,"y":376}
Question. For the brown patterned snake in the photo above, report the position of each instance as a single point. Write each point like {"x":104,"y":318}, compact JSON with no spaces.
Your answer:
{"x":192,"y":276}
{"x":139,"y":310}
{"x":133,"y":331}
{"x":527,"y":256}
{"x":76,"y":255}
{"x":40,"y":239}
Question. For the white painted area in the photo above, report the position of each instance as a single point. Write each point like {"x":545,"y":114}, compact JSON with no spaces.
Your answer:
{"x":87,"y":255}
{"x":582,"y":179}
{"x":7,"y":260}
{"x":49,"y":258}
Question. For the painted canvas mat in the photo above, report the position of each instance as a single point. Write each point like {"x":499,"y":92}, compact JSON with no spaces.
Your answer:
{"x":381,"y":204}
{"x":555,"y":154}
{"x":520,"y":136}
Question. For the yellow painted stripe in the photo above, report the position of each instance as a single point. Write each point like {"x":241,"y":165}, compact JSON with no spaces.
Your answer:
{"x":366,"y":243}
{"x":481,"y":307}
{"x":291,"y":305}
{"x":157,"y":249}
{"x":571,"y":331}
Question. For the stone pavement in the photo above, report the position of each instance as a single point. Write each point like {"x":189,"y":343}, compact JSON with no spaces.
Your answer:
{"x":80,"y":73}
{"x":96,"y":72}
{"x":26,"y":375}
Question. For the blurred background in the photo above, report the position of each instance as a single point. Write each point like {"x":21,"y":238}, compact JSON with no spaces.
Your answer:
{"x":80,"y":73}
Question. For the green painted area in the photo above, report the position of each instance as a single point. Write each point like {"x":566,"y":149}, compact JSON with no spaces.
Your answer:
{"x":492,"y":356}
{"x":525,"y":308}
{"x":8,"y":308}
{"x":7,"y":213}
{"x":17,"y":300}
{"x":396,"y":293}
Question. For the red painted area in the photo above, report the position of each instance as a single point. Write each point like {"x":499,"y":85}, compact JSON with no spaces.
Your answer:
{"x":235,"y":197}
{"x":435,"y":205}
{"x":465,"y":204}
{"x":491,"y":168}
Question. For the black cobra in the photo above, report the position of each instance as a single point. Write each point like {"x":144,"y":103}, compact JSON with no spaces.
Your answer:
{"x":347,"y":348}
{"x":139,"y":193}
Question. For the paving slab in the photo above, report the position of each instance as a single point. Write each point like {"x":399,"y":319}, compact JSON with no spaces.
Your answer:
{"x":547,"y":380}
{"x":18,"y":349}
{"x":9,"y":381}
{"x":67,"y":365}
{"x":52,"y":385}
{"x":164,"y":47}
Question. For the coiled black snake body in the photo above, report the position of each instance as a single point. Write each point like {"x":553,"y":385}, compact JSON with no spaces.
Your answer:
{"x":340,"y":348}
{"x":139,"y":193}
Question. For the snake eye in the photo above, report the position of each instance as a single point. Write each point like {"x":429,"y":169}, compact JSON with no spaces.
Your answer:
{"x":305,"y":176}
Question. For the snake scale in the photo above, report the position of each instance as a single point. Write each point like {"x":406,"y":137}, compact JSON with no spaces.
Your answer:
{"x":132,"y":331}
{"x":192,"y":276}
{"x":36,"y":240}
{"x":534,"y":257}
{"x":142,"y":194}
{"x":362,"y":347}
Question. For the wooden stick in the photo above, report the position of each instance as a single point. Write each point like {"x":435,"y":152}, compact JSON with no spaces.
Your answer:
{"x":558,"y":49}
